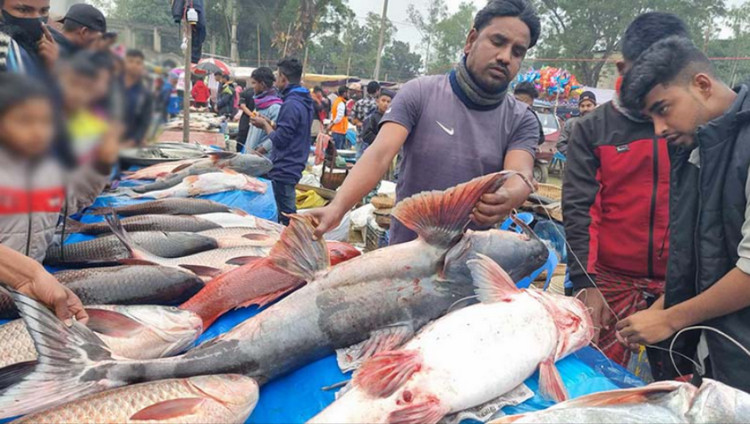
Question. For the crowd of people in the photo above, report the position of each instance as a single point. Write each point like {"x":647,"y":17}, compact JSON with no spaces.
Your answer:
{"x":655,"y":196}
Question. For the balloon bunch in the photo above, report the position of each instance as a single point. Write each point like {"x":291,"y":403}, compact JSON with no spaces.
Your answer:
{"x":552,"y":83}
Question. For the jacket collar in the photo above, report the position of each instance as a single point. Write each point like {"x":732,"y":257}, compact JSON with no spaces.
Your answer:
{"x":725,"y":127}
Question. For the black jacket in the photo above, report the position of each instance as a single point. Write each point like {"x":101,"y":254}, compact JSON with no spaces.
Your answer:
{"x":138,"y":111}
{"x":708,"y":206}
{"x":371,"y":127}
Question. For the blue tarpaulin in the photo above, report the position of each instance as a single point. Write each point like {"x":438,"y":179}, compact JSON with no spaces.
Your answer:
{"x":297,"y":397}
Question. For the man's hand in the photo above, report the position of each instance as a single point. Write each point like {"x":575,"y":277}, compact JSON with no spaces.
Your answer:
{"x":261,"y":151}
{"x":646,"y":327}
{"x":48,"y":48}
{"x":326,"y":219}
{"x":47,"y":290}
{"x":600,"y":313}
{"x":261,"y":122}
{"x":492,"y":208}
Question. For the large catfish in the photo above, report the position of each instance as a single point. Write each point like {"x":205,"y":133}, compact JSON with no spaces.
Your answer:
{"x":381,"y":298}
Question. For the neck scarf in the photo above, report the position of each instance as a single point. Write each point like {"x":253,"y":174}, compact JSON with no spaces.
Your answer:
{"x":267,"y":99}
{"x":470,"y":93}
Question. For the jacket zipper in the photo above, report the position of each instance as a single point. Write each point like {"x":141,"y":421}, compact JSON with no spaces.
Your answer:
{"x":29,"y":206}
{"x":696,"y":233}
{"x":652,"y":218}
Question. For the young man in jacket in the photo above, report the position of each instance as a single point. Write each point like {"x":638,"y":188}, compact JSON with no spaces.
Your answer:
{"x":615,"y":202}
{"x":139,"y":101}
{"x":290,"y":136}
{"x":707,"y":125}
{"x":372,"y":123}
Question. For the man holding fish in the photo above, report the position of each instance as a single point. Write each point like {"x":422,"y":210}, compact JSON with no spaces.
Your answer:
{"x":447,"y":142}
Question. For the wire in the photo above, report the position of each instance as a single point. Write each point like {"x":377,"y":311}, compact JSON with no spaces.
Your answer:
{"x":704,"y":328}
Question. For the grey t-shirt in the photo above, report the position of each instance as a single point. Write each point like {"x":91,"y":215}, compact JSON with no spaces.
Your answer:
{"x":448,"y":143}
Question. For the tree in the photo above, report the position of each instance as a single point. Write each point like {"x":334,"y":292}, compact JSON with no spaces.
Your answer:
{"x":733,"y":71}
{"x":593,"y":29}
{"x":400,"y":63}
{"x":427,"y":24}
{"x":451,"y":35}
{"x":298,"y":20}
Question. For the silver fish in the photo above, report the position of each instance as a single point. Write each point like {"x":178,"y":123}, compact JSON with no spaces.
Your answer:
{"x":383,"y":297}
{"x":169,"y":207}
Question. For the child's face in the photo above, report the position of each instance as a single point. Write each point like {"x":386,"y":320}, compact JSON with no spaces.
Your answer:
{"x":78,"y":91}
{"x":28,"y":128}
{"x":384,"y":102}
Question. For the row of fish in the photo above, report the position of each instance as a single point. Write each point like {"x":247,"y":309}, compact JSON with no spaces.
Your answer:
{"x":379,"y":300}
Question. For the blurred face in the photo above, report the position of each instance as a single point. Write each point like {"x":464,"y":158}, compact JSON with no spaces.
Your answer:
{"x":281,"y":81}
{"x":494,"y":54}
{"x":27,"y":8}
{"x":585,"y":107}
{"x":678,"y":110}
{"x":384,"y":102}
{"x":257,"y":86}
{"x":88,"y":38}
{"x":101,"y":86}
{"x":524,"y":98}
{"x":77,"y":90}
{"x":28,"y":128}
{"x":134,"y":67}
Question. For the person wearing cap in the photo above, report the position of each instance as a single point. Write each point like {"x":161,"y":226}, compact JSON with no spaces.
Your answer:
{"x":616,"y":203}
{"x":586,"y":104}
{"x":83,"y":27}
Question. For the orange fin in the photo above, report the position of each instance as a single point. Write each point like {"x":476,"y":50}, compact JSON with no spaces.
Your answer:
{"x":244,"y":260}
{"x":492,"y":283}
{"x":626,"y":396}
{"x":169,"y":409}
{"x":264,"y":300}
{"x":112,"y":323}
{"x":297,"y":252}
{"x":428,"y":411}
{"x":203,"y":271}
{"x":550,"y":382}
{"x":439,"y":217}
{"x":385,"y":372}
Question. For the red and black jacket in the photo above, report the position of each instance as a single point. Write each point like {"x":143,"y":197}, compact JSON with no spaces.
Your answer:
{"x":616,"y":197}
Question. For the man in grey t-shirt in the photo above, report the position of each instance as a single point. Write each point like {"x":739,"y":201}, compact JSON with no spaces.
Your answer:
{"x":456,"y":127}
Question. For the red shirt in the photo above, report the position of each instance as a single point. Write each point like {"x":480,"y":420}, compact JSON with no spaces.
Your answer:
{"x":200,"y":92}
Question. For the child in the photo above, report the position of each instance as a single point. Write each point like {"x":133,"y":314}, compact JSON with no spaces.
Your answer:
{"x":371,"y":126}
{"x":31,"y":194}
{"x":708,"y":278}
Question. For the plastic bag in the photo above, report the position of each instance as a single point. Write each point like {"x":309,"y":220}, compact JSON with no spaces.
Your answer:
{"x":309,"y":200}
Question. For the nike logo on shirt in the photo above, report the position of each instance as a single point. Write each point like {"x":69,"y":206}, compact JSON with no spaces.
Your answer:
{"x":449,"y":131}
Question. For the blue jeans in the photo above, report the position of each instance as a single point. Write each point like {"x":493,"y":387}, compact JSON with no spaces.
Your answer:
{"x":286,"y":200}
{"x":340,"y":141}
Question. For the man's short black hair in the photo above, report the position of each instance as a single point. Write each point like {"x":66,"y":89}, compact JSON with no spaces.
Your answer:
{"x":373,"y":87}
{"x":520,"y":9}
{"x":672,"y":60}
{"x":649,"y":28}
{"x":135,"y":53}
{"x":343,"y":90}
{"x":264,"y":75}
{"x":218,"y":74}
{"x":386,"y":93}
{"x":291,"y":68}
{"x":317,"y":89}
{"x":226,"y":77}
{"x":103,"y":60}
{"x":527,"y":88}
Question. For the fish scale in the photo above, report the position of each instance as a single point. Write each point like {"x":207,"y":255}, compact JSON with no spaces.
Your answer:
{"x":147,"y":223}
{"x":168,"y":207}
{"x":228,"y":399}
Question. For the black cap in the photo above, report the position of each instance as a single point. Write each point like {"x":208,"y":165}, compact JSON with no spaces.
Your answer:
{"x":587,"y":95}
{"x":88,"y":16}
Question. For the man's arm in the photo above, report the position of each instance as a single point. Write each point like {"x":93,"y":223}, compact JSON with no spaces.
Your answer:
{"x":29,"y":277}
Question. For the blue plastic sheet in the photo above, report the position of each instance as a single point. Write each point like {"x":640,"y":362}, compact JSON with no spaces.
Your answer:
{"x":297,"y":397}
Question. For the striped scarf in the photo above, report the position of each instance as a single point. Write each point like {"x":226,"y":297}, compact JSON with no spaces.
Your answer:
{"x":470,"y":93}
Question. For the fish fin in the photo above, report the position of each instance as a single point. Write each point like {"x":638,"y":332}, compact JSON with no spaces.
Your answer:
{"x":182,"y":167}
{"x":382,"y":340}
{"x":239,"y":212}
{"x":65,"y":355}
{"x":267,"y":239}
{"x":119,"y":231}
{"x":625,"y":396}
{"x":14,"y":373}
{"x":111,"y":323}
{"x":550,"y":382}
{"x":428,"y":411}
{"x":230,"y":171}
{"x":131,"y":261}
{"x":492,"y":283}
{"x":216,"y":156}
{"x":385,"y":372}
{"x":243,"y":260}
{"x":203,"y":271}
{"x":297,"y":252}
{"x":73,"y":226}
{"x":439,"y":217}
{"x":169,"y":409}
